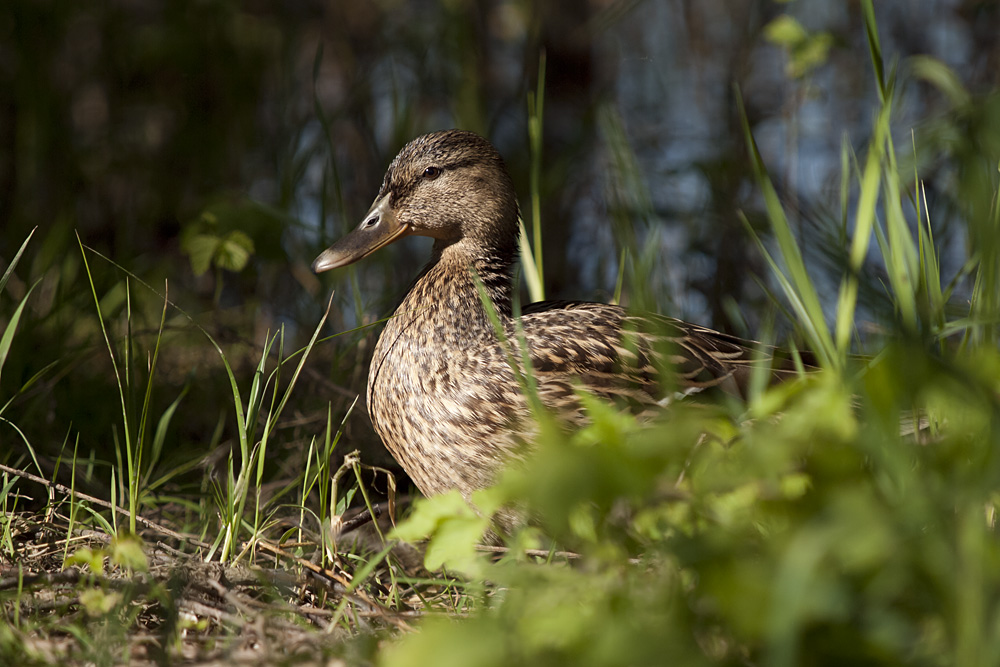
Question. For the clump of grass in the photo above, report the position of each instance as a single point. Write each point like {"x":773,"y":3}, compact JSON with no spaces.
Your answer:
{"x":111,"y":579}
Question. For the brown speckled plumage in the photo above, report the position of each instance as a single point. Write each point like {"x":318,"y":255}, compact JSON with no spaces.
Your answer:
{"x":441,"y":393}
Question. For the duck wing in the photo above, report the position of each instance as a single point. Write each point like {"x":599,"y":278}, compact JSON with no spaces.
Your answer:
{"x":643,"y":359}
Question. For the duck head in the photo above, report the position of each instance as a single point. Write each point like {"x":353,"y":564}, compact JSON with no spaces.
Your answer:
{"x":452,"y":186}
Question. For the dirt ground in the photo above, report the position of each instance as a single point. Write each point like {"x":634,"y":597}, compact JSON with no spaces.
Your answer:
{"x":84,"y":597}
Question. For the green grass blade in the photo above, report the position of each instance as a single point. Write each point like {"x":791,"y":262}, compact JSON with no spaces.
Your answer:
{"x":14,"y":262}
{"x":536,"y":108}
{"x":8,"y":334}
{"x":902,"y":259}
{"x":874,"y":48}
{"x":797,"y":285}
{"x":864,"y":223}
{"x":532,"y":274}
{"x":160,"y":435}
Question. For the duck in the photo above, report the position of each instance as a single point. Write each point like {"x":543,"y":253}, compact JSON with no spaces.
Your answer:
{"x":446,"y":390}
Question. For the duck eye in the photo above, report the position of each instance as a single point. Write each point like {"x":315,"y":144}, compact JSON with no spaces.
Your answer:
{"x":430,"y":173}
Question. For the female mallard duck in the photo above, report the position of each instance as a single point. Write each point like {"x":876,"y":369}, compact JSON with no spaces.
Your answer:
{"x":441,"y":391}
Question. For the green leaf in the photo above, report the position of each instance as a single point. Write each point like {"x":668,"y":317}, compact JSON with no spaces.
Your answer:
{"x":126,"y":550}
{"x":98,"y":602}
{"x":89,"y":559}
{"x":429,"y":513}
{"x":785,"y":31}
{"x":200,"y":248}
{"x":234,"y":251}
{"x":806,"y":51}
{"x":453,"y":528}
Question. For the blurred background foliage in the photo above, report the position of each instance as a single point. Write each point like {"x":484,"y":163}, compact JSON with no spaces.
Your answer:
{"x":219,"y":145}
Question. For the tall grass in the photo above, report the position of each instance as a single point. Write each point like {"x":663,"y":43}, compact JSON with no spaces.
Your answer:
{"x":531,"y":253}
{"x":242,"y":511}
{"x":105,"y":600}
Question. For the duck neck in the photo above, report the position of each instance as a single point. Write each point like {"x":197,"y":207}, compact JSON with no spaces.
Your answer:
{"x":448,"y":285}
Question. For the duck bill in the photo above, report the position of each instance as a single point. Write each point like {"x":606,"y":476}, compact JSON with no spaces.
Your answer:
{"x":379,"y":228}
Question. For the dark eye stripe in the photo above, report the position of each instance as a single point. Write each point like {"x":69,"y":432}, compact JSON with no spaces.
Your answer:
{"x":441,"y":168}
{"x":400,"y":189}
